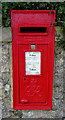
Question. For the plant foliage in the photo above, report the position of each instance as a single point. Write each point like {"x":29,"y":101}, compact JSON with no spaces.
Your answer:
{"x":58,"y":6}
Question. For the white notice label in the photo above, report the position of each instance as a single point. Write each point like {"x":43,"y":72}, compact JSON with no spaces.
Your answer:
{"x":33,"y":62}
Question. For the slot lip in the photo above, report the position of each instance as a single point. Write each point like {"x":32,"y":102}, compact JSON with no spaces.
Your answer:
{"x":27,"y":34}
{"x":33,"y":25}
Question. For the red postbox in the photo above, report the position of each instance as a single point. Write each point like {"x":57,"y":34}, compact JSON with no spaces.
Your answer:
{"x":33,"y":36}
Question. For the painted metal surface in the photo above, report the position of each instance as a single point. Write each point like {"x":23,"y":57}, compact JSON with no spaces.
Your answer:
{"x":32,"y":38}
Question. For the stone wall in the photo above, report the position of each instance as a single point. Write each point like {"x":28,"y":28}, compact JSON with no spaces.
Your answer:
{"x":6,"y":84}
{"x":33,"y":1}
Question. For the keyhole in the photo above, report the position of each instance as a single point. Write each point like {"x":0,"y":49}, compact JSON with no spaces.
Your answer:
{"x":24,"y":78}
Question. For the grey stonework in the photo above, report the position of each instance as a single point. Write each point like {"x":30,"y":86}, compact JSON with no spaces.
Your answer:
{"x":33,"y":0}
{"x":6,"y":85}
{"x":64,"y":84}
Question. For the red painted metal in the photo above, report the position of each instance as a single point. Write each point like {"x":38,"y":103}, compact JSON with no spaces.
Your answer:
{"x":32,"y":91}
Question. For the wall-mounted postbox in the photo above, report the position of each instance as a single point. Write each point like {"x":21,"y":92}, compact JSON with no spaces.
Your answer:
{"x":33,"y":36}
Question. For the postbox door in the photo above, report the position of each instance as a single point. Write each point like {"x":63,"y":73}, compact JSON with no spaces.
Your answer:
{"x":33,"y":68}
